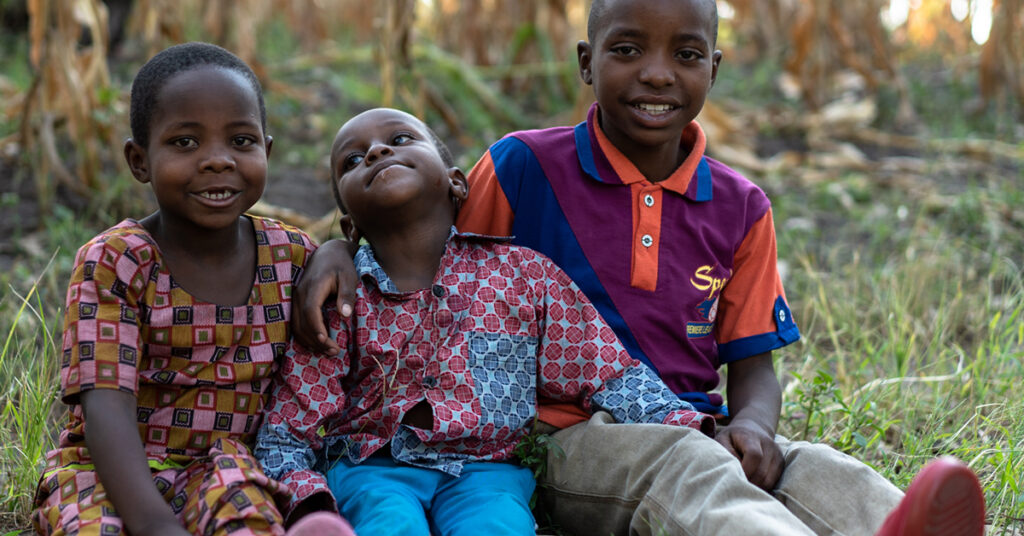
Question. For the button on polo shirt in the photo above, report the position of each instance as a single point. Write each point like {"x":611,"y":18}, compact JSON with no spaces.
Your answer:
{"x":647,"y":204}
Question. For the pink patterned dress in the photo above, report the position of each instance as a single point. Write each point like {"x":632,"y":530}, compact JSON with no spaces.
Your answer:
{"x":200,"y":372}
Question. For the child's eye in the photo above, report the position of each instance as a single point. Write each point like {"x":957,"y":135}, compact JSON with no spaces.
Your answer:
{"x":401,"y":139}
{"x":689,"y":55}
{"x":185,"y":143}
{"x":352,"y":160}
{"x":242,"y":141}
{"x":625,"y":50}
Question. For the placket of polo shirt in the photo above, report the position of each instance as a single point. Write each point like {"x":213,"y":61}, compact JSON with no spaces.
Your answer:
{"x":647,"y":203}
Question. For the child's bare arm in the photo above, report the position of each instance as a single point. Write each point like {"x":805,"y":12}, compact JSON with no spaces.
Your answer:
{"x":112,"y":437}
{"x":755,"y":400}
{"x":329,"y":271}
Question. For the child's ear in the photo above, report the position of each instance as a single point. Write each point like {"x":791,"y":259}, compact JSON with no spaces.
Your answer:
{"x":584,"y":53}
{"x":458,"y":185}
{"x":349,"y":229}
{"x":137,"y":159}
{"x":716,"y":60}
{"x":270,"y":143}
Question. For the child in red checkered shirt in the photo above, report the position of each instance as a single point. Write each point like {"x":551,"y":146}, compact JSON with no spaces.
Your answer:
{"x":410,"y":430}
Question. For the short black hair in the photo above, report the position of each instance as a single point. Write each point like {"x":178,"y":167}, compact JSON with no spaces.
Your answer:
{"x":172,"y":61}
{"x":599,"y":7}
{"x":442,"y":149}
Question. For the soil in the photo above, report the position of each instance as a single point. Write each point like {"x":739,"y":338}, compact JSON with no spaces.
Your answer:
{"x":303,"y":190}
{"x":19,"y":208}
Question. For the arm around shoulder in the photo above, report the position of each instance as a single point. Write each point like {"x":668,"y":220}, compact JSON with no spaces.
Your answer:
{"x":329,"y":271}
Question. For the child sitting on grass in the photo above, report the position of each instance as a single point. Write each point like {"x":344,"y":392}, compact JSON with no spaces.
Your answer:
{"x":175,"y":323}
{"x":678,"y":253}
{"x":410,"y":430}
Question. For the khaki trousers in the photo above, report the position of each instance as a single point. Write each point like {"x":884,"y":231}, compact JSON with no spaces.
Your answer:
{"x":640,"y":479}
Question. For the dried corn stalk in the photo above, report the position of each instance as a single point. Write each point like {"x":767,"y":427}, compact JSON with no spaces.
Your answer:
{"x":1001,"y":70}
{"x":68,"y":95}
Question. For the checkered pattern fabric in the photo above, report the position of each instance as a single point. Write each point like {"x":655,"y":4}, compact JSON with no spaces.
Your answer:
{"x":500,"y":325}
{"x":199,"y":371}
{"x":224,"y":492}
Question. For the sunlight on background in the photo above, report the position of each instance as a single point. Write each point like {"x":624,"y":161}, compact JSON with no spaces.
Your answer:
{"x":981,"y":20}
{"x":726,"y":11}
{"x":896,"y":14}
{"x":960,"y":9}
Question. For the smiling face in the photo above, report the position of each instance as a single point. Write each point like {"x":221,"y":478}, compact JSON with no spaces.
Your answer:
{"x":387,"y":168}
{"x":206,"y":159}
{"x":651,"y":63}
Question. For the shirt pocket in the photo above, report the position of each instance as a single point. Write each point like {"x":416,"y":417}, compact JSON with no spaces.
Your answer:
{"x":504,"y":371}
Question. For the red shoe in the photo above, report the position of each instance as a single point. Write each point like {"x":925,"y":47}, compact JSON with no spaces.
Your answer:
{"x":321,"y":524}
{"x":945,"y":499}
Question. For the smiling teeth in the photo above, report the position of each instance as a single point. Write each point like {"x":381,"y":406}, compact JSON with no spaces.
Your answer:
{"x":216,"y":196}
{"x":654,"y":108}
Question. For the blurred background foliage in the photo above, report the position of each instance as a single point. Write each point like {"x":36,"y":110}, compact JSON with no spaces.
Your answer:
{"x":486,"y":67}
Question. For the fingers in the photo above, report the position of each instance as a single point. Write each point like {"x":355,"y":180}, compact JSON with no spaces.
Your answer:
{"x":772,"y":465}
{"x":345,"y":297}
{"x":307,"y":315}
{"x":313,"y":320}
{"x":759,"y":456}
{"x":762,"y":462}
{"x":750,"y":456}
{"x":724,"y":438}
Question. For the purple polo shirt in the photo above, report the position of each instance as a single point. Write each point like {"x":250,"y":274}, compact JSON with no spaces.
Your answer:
{"x":684,"y":269}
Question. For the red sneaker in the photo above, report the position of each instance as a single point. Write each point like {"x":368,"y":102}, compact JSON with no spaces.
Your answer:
{"x":321,"y":524}
{"x":945,"y":499}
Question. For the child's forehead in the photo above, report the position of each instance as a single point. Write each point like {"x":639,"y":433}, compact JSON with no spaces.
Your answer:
{"x":623,"y":15}
{"x":369,"y":124}
{"x":198,"y":80}
{"x":207,"y":85}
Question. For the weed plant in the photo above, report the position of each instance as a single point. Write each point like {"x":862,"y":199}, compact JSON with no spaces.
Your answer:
{"x":28,"y":372}
{"x":913,"y":342}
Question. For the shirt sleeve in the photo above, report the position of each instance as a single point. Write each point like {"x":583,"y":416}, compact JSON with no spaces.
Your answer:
{"x":753,"y":316}
{"x":487,"y":210}
{"x":307,"y":397}
{"x":101,"y":343}
{"x":580,"y":359}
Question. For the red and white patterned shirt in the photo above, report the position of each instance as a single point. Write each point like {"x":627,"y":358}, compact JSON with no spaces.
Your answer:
{"x":500,"y":326}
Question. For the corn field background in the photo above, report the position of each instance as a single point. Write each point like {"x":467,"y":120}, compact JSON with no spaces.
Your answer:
{"x":888,"y":133}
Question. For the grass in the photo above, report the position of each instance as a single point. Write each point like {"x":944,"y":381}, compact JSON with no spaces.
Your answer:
{"x":913,"y":324}
{"x":28,"y":373}
{"x":911,"y":307}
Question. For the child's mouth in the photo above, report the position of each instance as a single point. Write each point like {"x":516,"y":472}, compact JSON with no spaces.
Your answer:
{"x":654,"y":109}
{"x":219,"y":195}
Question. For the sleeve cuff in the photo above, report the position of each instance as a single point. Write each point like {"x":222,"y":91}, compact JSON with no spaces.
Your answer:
{"x":692,"y":419}
{"x":304,"y":485}
{"x":786,"y":332}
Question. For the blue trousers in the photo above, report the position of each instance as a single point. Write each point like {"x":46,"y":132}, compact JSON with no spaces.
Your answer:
{"x":380,"y":497}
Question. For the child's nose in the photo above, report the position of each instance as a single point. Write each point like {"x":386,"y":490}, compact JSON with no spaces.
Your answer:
{"x":657,"y":72}
{"x":217,"y":159}
{"x":376,"y":151}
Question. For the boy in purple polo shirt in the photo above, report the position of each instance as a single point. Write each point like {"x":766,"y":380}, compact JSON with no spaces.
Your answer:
{"x":690,"y":284}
